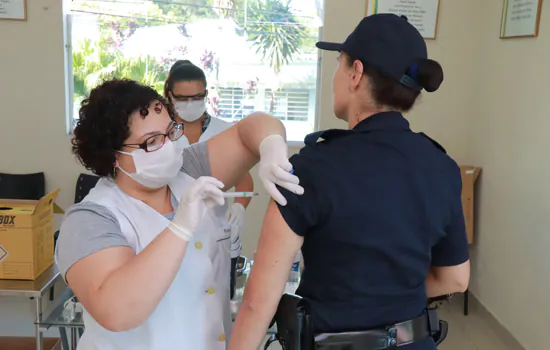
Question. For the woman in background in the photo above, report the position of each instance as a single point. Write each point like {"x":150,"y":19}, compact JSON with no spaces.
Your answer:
{"x":186,"y":89}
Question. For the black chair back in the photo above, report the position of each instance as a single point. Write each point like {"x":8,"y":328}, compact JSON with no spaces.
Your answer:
{"x":84,"y":184}
{"x":22,"y":186}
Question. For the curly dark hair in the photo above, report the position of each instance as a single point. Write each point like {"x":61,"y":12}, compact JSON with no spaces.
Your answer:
{"x":103,"y":122}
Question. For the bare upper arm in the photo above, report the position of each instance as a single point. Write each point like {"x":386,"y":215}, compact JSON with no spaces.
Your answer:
{"x":229,"y":158}
{"x":458,"y":275}
{"x":87,"y":275}
{"x":276,"y":251}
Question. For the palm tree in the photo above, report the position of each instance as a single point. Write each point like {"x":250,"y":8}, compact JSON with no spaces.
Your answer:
{"x":275,"y":32}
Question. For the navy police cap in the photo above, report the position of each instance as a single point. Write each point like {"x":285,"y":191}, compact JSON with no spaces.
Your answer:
{"x":387,"y":43}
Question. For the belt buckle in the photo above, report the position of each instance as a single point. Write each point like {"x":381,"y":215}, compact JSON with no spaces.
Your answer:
{"x":391,"y":336}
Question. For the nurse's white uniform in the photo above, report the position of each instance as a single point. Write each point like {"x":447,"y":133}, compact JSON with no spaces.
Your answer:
{"x":215,"y":127}
{"x":190,"y":316}
{"x":220,"y":257}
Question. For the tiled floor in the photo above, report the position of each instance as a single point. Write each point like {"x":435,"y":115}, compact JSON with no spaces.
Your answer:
{"x":477,"y":331}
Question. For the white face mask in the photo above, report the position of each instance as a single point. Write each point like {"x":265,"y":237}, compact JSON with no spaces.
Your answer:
{"x":190,"y":110}
{"x":158,"y":168}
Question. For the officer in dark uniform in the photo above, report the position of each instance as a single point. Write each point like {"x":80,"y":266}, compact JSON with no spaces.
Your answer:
{"x":380,"y":223}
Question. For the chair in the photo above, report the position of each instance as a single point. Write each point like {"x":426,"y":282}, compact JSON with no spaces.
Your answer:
{"x":84,"y":184}
{"x":22,"y":186}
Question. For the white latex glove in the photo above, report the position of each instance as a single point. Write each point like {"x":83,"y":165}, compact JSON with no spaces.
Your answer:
{"x":274,"y":168}
{"x":204,"y":193}
{"x":236,"y":215}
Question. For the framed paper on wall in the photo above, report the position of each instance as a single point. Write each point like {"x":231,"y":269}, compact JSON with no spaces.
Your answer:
{"x":520,"y":18}
{"x":423,"y":14}
{"x":13,"y":9}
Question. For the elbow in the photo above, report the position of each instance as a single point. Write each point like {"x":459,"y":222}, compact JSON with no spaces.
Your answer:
{"x":119,"y":324}
{"x":458,"y":285}
{"x":117,"y":321}
{"x":248,"y":307}
{"x":461,"y":283}
{"x":451,"y":279}
{"x":261,"y":115}
{"x":462,"y":277}
{"x":266,"y":118}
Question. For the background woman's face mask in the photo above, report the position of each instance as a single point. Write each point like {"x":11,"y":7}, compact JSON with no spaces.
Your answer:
{"x":158,"y":168}
{"x":190,"y":110}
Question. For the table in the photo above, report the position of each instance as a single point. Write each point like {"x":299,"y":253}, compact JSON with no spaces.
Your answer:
{"x":34,"y":290}
{"x":55,"y":317}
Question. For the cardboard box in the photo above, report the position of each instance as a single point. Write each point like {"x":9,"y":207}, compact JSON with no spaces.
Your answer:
{"x":26,"y":237}
{"x":469,"y":176}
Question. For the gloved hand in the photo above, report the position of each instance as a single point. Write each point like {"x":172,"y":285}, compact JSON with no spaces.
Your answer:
{"x":274,"y":168}
{"x":204,"y":193}
{"x":236,"y":215}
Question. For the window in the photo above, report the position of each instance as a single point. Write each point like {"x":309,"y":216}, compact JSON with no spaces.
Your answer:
{"x":257,"y":54}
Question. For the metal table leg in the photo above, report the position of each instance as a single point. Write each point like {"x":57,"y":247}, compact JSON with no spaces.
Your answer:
{"x":466,"y":303}
{"x":64,"y":340}
{"x":74,"y":338}
{"x":39,"y":339}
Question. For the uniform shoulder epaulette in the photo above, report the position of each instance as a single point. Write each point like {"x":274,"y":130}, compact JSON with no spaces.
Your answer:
{"x":327,"y":135}
{"x":436,"y":144}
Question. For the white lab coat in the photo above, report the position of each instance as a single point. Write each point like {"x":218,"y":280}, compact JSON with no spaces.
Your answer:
{"x":215,"y":127}
{"x":191,"y":314}
{"x":223,"y":260}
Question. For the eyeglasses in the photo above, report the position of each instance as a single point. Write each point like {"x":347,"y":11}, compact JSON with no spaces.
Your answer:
{"x":184,"y":98}
{"x":155,"y":142}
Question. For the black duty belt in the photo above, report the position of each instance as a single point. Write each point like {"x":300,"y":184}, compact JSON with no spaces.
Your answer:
{"x":295,"y":330}
{"x":400,"y":334}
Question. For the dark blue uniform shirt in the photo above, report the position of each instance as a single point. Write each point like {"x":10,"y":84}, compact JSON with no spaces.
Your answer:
{"x":381,"y":205}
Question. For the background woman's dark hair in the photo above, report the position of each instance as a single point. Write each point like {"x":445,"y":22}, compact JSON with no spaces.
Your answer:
{"x":103,"y":122}
{"x":183,"y":70}
{"x":389,"y":92}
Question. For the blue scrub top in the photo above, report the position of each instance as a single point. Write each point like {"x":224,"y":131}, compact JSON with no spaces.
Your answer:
{"x":381,"y":205}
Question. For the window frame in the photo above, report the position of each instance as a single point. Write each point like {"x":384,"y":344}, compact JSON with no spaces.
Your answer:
{"x":71,"y":110}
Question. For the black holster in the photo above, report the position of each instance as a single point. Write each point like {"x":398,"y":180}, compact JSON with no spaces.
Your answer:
{"x":233,"y":278}
{"x":294,"y":323}
{"x":438,"y":328}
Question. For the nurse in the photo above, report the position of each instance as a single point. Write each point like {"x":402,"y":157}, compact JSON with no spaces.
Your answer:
{"x":380,"y":224}
{"x":137,"y":250}
{"x":186,"y":89}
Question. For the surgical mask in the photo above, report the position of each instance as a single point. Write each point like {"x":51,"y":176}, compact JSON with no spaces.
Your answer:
{"x":158,"y":168}
{"x":190,"y":110}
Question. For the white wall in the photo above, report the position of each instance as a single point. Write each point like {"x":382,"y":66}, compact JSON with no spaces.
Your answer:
{"x":32,"y":135}
{"x":509,"y":139}
{"x":32,"y":96}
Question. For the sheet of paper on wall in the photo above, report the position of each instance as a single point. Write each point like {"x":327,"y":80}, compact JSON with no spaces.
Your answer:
{"x":520,"y":18}
{"x":13,"y":9}
{"x":423,"y":14}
